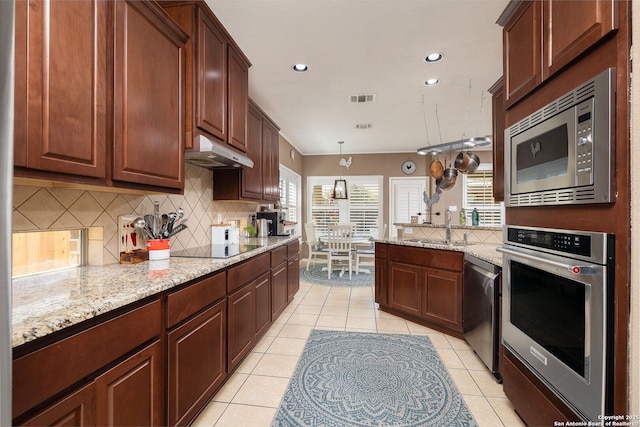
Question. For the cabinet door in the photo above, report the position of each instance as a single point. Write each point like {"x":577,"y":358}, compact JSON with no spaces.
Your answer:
{"x":238,"y":75}
{"x":442,"y":297}
{"x":252,"y":177}
{"x":279,"y":289}
{"x":131,"y":393}
{"x":77,"y":409}
{"x":405,"y":288}
{"x":240,"y":325}
{"x":196,"y":362}
{"x":574,"y":26}
{"x":293,"y":275}
{"x":497,"y":108}
{"x":270,"y":162}
{"x":61,"y":86}
{"x":381,"y":288}
{"x":522,"y":52}
{"x":211,"y":93}
{"x":149,"y":125}
{"x":262,"y":286}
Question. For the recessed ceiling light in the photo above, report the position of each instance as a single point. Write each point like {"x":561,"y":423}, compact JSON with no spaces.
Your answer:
{"x":300,"y":68}
{"x":431,"y":82}
{"x":433,"y":57}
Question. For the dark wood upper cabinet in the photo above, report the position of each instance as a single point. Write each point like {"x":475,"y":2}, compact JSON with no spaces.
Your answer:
{"x":498,"y":120}
{"x":217,"y":83}
{"x":584,"y":23}
{"x":238,"y":75}
{"x":61,"y":86}
{"x":99,"y":94}
{"x":148,"y":96}
{"x":211,"y":60}
{"x":251,"y":179}
{"x":535,"y":49}
{"x":522,"y":49}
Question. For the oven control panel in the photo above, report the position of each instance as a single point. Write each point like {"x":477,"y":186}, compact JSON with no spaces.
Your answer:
{"x":569,"y":243}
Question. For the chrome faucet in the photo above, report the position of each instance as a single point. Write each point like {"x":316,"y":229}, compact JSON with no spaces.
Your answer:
{"x":447,"y":224}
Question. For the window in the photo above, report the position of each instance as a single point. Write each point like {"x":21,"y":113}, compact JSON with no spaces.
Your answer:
{"x":290,"y":196}
{"x":478,"y":194}
{"x":46,"y":251}
{"x":363,"y":208}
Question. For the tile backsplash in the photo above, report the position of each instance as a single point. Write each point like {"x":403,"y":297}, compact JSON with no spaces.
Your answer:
{"x":55,"y":208}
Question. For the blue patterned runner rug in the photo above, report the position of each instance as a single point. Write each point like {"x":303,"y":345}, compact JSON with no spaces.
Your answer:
{"x":316,"y":276}
{"x":356,"y":379}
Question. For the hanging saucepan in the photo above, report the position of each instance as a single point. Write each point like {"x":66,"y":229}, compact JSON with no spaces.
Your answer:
{"x":435,"y":168}
{"x":467,"y":162}
{"x":445,"y":184}
{"x":448,"y":178}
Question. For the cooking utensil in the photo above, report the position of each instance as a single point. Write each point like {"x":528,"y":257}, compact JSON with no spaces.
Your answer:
{"x":467,"y":162}
{"x":445,"y":184}
{"x":177,"y":229}
{"x":157,"y":219}
{"x":436,"y":168}
{"x":171,"y":221}
{"x":140,"y":224}
{"x":149,"y":219}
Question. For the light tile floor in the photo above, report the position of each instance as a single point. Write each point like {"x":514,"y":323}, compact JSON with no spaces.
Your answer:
{"x":253,"y":393}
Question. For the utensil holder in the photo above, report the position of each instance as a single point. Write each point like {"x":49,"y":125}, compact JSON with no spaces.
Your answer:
{"x":158,"y":249}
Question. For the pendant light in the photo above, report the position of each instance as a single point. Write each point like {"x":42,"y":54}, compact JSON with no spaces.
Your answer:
{"x":340,"y":185}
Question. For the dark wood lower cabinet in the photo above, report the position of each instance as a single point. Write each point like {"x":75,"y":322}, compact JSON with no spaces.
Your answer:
{"x":279,"y":289}
{"x":196,"y":362}
{"x":156,"y":363}
{"x":131,"y":393}
{"x":422,"y":284}
{"x":77,"y":409}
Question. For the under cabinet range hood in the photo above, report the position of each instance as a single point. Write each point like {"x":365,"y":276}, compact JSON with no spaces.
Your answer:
{"x":213,"y":155}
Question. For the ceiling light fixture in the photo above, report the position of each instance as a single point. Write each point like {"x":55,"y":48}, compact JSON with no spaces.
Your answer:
{"x":300,"y":68}
{"x":340,"y":185}
{"x":434,"y":57}
{"x":431,"y":82}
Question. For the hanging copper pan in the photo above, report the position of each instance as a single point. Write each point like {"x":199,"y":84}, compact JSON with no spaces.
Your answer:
{"x":436,"y":168}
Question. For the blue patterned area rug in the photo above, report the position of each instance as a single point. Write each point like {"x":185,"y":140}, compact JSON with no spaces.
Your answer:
{"x":316,"y":276}
{"x":354,"y":379}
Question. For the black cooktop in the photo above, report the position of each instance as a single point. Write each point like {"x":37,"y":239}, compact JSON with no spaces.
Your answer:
{"x":214,"y":251}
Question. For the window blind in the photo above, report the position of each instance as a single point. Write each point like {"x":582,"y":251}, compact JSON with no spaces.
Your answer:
{"x":479,"y":195}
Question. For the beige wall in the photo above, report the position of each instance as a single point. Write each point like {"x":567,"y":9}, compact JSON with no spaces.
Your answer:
{"x":388,"y":165}
{"x":295,"y":163}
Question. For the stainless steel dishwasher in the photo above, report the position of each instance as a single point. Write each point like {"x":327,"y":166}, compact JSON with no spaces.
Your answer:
{"x":481,"y":310}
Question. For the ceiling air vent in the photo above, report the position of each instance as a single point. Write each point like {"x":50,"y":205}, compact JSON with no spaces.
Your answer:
{"x":361,"y":99}
{"x":364,"y":125}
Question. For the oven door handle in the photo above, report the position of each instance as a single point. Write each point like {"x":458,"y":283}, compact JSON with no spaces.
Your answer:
{"x":575,"y":269}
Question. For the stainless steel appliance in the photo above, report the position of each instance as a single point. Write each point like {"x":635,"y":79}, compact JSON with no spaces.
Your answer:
{"x":563,"y":153}
{"x":210,"y":154}
{"x":557,"y":308}
{"x":277,"y":218}
{"x":481,"y":313}
{"x":7,"y":18}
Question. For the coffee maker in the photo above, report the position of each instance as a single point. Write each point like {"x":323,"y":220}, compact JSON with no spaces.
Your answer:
{"x":275,"y":220}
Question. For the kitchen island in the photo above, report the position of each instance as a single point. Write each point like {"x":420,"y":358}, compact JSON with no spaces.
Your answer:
{"x":422,"y":279}
{"x":167,"y":332}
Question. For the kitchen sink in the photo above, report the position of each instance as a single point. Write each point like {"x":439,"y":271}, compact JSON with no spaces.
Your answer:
{"x":437,"y":242}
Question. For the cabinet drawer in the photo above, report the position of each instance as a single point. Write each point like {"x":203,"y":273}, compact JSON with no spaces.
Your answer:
{"x":247,"y":271}
{"x":278,"y":255}
{"x":190,"y":300}
{"x":293,"y":249}
{"x":448,"y":260}
{"x":40,"y":375}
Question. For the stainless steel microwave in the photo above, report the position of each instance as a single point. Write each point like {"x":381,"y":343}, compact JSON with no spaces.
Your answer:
{"x":564,"y":152}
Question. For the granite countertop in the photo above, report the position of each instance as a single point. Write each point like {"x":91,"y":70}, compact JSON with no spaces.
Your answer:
{"x":46,"y":303}
{"x":428,"y":225}
{"x":484,"y":251}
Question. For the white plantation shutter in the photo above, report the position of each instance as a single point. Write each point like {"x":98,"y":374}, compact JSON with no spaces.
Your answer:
{"x":478,"y":194}
{"x":290,"y":194}
{"x":363,"y":207}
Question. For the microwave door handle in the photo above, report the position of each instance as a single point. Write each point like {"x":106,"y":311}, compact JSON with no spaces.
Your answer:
{"x":576,"y":269}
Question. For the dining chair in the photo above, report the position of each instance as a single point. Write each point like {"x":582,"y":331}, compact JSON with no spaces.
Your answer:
{"x":315,"y":248}
{"x":339,"y":245}
{"x":365,"y":257}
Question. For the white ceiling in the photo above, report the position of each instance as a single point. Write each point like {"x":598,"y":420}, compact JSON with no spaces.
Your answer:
{"x":376,"y":47}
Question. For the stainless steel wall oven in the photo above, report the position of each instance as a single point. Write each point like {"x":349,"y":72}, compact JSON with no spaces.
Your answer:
{"x":563,"y":153}
{"x":557,"y":312}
